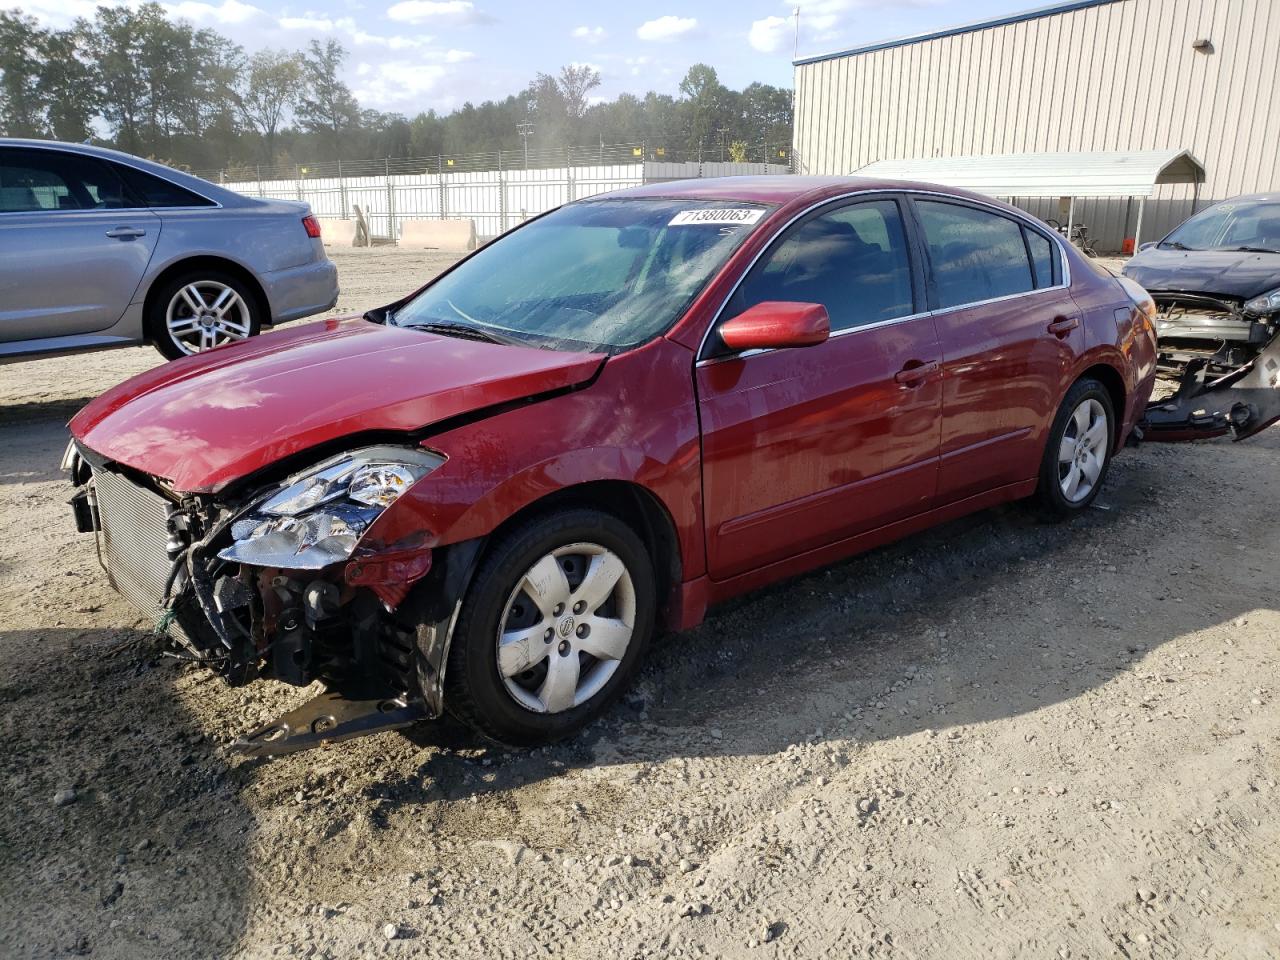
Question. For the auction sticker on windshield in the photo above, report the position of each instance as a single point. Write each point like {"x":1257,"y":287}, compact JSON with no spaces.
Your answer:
{"x":689,"y":218}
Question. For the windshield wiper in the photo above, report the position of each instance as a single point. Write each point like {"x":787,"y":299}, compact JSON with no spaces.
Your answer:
{"x":1254,"y":250}
{"x":1174,"y":245}
{"x":460,"y":330}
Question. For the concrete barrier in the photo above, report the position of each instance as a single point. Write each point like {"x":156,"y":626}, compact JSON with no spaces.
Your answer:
{"x":335,"y":232}
{"x":452,"y":236}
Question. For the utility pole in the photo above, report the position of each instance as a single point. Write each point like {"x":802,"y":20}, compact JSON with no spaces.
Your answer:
{"x":795,"y":53}
{"x":525,"y":129}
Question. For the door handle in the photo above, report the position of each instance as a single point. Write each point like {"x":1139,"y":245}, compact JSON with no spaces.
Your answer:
{"x":1061,"y":326}
{"x":126,"y":233}
{"x":916,"y":372}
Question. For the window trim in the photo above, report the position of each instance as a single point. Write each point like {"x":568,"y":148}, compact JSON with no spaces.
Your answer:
{"x":915,"y":240}
{"x":1059,"y":268}
{"x":915,"y":261}
{"x":109,"y":164}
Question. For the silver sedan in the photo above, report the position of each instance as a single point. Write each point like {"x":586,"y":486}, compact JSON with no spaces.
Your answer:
{"x":100,"y":249}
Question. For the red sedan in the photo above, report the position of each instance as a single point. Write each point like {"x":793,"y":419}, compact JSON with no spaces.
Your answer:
{"x":489,"y":495}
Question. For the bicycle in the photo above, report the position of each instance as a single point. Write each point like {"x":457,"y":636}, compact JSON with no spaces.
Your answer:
{"x":1079,"y":236}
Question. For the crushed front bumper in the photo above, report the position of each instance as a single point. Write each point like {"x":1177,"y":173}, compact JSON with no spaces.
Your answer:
{"x":1241,"y":403}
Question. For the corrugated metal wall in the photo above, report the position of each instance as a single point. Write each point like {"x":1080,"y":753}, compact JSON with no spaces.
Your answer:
{"x":1119,"y":76}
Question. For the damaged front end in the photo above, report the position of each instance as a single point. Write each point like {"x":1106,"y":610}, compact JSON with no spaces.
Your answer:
{"x":1219,"y":334}
{"x":1241,"y":403}
{"x":289,"y":582}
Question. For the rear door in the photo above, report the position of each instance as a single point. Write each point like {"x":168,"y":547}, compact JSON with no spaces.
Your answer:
{"x":804,"y":447}
{"x":1009,"y":333}
{"x":73,"y":248}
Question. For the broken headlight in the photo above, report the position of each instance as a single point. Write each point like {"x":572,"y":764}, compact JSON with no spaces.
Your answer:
{"x":1266,"y":304}
{"x":319,"y":516}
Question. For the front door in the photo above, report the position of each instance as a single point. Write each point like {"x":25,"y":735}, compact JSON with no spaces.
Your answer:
{"x":807,"y":446}
{"x":1010,"y":335}
{"x":72,"y":250}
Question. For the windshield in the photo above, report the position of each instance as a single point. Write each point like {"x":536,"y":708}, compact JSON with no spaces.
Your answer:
{"x":604,"y":274}
{"x":1234,"y":225}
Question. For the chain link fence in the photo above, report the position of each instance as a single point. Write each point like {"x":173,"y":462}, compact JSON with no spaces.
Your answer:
{"x":497,"y":190}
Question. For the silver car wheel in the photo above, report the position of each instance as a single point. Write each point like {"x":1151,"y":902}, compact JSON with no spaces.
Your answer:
{"x":1083,"y":451}
{"x":566,"y":628}
{"x":206,"y":314}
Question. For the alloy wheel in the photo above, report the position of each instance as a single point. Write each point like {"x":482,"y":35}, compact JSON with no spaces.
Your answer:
{"x":566,"y":628}
{"x":206,"y":314}
{"x":1083,"y":450}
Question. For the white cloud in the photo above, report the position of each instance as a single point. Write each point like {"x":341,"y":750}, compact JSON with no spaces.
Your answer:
{"x":229,"y":11}
{"x":666,"y":28}
{"x":589,"y":34}
{"x":823,"y":19}
{"x":638,"y":65}
{"x":320,"y":24}
{"x":357,"y":36}
{"x":768,"y":35}
{"x":419,"y":11}
{"x":61,"y":13}
{"x":396,"y":82}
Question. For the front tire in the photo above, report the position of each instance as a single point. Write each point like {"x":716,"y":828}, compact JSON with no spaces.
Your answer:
{"x":552,"y":628}
{"x":200,"y":310}
{"x":1077,"y":455}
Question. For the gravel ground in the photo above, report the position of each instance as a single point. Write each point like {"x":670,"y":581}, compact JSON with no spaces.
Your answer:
{"x":997,"y":739}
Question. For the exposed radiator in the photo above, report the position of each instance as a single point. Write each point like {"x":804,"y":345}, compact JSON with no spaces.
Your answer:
{"x":135,"y":536}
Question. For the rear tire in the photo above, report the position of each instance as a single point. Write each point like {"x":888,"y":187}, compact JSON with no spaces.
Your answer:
{"x":552,"y":628}
{"x":1077,"y":455}
{"x":201,"y":309}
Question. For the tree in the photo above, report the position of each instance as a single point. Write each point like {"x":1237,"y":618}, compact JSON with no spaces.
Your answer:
{"x":705,"y":102}
{"x":159,"y":86}
{"x":112,"y":43}
{"x":327,"y":106}
{"x":271,"y":88}
{"x":21,"y":50}
{"x":69,"y":88}
{"x":576,"y":81}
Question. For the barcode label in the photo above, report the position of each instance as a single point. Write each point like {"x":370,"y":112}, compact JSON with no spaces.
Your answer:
{"x":718,"y":218}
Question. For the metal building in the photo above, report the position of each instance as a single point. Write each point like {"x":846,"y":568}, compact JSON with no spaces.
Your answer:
{"x":1083,"y":75}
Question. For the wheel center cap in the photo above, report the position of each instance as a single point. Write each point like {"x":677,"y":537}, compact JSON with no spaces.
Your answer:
{"x":206,"y":320}
{"x":565,"y":628}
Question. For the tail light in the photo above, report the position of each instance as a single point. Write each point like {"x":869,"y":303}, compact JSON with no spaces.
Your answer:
{"x":1138,"y":294}
{"x":312,"y":226}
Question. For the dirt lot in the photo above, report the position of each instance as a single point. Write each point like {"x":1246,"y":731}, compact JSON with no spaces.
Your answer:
{"x":999,"y":739}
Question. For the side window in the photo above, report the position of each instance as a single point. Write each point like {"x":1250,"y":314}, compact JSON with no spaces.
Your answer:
{"x":33,"y":180}
{"x":852,"y":260}
{"x":152,"y":191}
{"x":1043,"y":258}
{"x":976,"y":255}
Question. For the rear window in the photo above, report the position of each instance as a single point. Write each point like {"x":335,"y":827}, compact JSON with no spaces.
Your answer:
{"x":153,"y":191}
{"x":976,"y":255}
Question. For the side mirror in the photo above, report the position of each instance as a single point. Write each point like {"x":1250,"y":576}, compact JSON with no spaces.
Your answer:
{"x":1146,"y":246}
{"x":775,"y":324}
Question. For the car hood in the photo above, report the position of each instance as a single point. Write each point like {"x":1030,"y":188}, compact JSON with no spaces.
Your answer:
{"x":202,"y":422}
{"x":1222,"y":273}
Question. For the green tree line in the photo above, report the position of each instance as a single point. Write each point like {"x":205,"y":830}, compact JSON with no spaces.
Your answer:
{"x":191,"y":97}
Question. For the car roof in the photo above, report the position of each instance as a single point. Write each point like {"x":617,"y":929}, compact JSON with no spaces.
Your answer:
{"x":195,"y":184}
{"x":780,"y":189}
{"x":1272,"y":196}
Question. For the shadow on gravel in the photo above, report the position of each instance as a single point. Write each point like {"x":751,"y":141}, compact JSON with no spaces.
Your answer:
{"x":945,"y":614}
{"x":150,"y":857}
{"x":61,"y":409}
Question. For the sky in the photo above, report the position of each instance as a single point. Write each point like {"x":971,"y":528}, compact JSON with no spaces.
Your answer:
{"x":413,"y":55}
